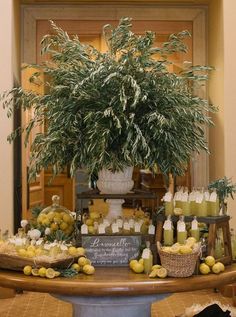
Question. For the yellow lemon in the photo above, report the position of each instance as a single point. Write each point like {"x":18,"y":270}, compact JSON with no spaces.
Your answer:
{"x":221,"y":265}
{"x":132,"y":262}
{"x":73,"y":251}
{"x":153,"y":273}
{"x":156,"y":266}
{"x":63,"y":226}
{"x":27,"y":270}
{"x":88,"y":269}
{"x":54,"y":226}
{"x":83,"y":261}
{"x":185,"y":249}
{"x":38,"y":252}
{"x":45,"y":222}
{"x":94,"y":215}
{"x":89,"y":222}
{"x":138,"y":268}
{"x":67,"y":218}
{"x":35,"y":272}
{"x":141,"y":261}
{"x":31,"y":248}
{"x":22,"y":252}
{"x":76,"y":267}
{"x":50,"y":215}
{"x":91,"y":229}
{"x":204,"y":268}
{"x":42,"y":271}
{"x":210,"y":260}
{"x":30,"y":254}
{"x":57,"y":273}
{"x":50,"y":273}
{"x":81,"y":251}
{"x":216,"y":268}
{"x":162,"y":272}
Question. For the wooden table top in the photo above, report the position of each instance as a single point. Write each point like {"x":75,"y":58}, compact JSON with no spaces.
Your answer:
{"x":115,"y":281}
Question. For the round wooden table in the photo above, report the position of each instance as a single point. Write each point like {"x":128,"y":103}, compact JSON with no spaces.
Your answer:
{"x":114,"y":292}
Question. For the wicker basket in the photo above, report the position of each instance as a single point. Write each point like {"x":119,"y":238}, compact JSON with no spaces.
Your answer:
{"x":178,"y":265}
{"x":17,"y":263}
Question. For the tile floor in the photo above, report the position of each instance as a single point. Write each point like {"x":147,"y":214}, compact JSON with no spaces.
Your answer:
{"x":31,"y":304}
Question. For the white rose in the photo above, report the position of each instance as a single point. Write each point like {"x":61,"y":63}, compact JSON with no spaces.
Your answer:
{"x":47,"y":231}
{"x":24,"y":223}
{"x":34,"y":234}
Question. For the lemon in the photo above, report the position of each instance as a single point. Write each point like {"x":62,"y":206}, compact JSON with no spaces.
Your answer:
{"x":76,"y":267}
{"x":156,"y":266}
{"x":50,"y":215}
{"x":50,"y":273}
{"x":27,"y":270}
{"x":63,"y":226}
{"x":210,"y":260}
{"x":73,"y":251}
{"x":42,"y":271}
{"x":89,"y":222}
{"x":190,"y":241}
{"x":221,"y":265}
{"x":204,"y":268}
{"x":185,"y":249}
{"x":31,"y":248}
{"x":57,"y":220}
{"x":81,"y":251}
{"x":141,"y":261}
{"x":30,"y":254}
{"x":94,"y":215}
{"x":174,"y":249}
{"x":91,"y":229}
{"x":45,"y":222}
{"x":57,"y":273}
{"x":132,"y":262}
{"x":67,"y":218}
{"x":83,"y":261}
{"x":38,"y":252}
{"x":88,"y":269}
{"x":22,"y":252}
{"x":162,"y":272}
{"x":216,"y":268}
{"x":35,"y":272}
{"x":54,"y":226}
{"x":138,"y":268}
{"x":153,"y":273}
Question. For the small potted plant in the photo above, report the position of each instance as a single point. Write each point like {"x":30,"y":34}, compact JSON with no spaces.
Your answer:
{"x":107,"y":112}
{"x":224,"y":189}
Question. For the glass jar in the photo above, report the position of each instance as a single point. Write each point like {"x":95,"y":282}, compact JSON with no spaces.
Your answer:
{"x":56,"y":217}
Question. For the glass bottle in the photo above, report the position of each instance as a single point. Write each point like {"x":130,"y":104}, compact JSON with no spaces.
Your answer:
{"x":214,"y":204}
{"x":147,"y":258}
{"x":185,"y":203}
{"x":195,"y":232}
{"x":168,"y":203}
{"x":181,"y":231}
{"x":201,"y":205}
{"x":177,"y":198}
{"x":192,"y":202}
{"x":168,"y":233}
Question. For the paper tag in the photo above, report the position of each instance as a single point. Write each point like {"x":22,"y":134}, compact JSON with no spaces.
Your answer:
{"x":213,"y":197}
{"x":119,"y":223}
{"x":167,"y":197}
{"x":146,"y":254}
{"x":192,"y":196}
{"x":151,"y":229}
{"x":106,"y":222}
{"x":137,"y":227}
{"x":131,"y":223}
{"x":184,"y":197}
{"x":181,"y":227}
{"x":114,"y":228}
{"x":167,"y":225}
{"x":101,"y":228}
{"x":194,"y":224}
{"x":126,"y":226}
{"x":207,"y":196}
{"x":84,"y":229}
{"x":199,"y":198}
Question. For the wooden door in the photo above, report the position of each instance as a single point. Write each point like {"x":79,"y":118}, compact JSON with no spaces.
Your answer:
{"x":33,"y":192}
{"x":90,"y":32}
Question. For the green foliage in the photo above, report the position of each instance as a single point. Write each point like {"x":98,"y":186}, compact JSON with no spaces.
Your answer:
{"x":224,"y":188}
{"x":114,"y":109}
{"x":67,"y":272}
{"x":58,"y":235}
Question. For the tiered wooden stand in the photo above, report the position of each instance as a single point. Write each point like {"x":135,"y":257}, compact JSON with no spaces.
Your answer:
{"x":214,"y":223}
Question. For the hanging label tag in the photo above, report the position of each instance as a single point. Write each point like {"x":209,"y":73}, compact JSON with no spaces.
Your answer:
{"x":151,"y":229}
{"x":199,"y":198}
{"x":114,"y":228}
{"x":131,"y":223}
{"x":194,"y":225}
{"x":167,"y":225}
{"x":167,"y":197}
{"x":137,"y":227}
{"x":184,"y":197}
{"x":84,"y":229}
{"x":106,"y":222}
{"x":213,"y":197}
{"x":101,"y":228}
{"x":119,"y":223}
{"x":126,"y":226}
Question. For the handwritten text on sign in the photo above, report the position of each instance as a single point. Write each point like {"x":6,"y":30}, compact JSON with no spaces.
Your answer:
{"x":111,"y":250}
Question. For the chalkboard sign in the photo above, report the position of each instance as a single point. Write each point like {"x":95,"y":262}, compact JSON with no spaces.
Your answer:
{"x":111,"y":250}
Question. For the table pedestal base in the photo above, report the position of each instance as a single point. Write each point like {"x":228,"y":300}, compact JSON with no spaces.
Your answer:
{"x":130,"y":306}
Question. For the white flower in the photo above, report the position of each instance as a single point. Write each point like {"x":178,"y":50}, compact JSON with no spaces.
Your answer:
{"x":47,"y":231}
{"x":34,"y":234}
{"x":24,"y":223}
{"x":73,"y":214}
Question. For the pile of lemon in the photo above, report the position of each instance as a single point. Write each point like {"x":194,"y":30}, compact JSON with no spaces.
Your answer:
{"x":57,"y":221}
{"x":210,"y":265}
{"x":137,"y":266}
{"x":41,"y":272}
{"x":189,"y":247}
{"x":83,"y":265}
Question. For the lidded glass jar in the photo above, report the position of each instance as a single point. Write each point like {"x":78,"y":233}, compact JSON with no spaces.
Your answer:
{"x":56,"y":217}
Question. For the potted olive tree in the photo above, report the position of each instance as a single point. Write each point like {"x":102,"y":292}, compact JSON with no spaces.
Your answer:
{"x":108,"y":112}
